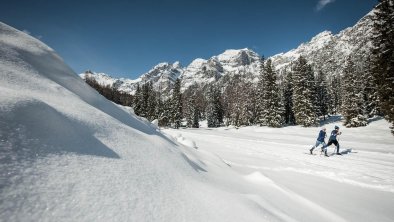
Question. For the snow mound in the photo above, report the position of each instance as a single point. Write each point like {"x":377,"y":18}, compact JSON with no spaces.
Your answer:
{"x":184,"y":141}
{"x":258,"y":178}
{"x":68,"y":154}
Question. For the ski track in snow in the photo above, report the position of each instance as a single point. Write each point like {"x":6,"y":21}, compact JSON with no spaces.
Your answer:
{"x":376,"y":167}
{"x":274,"y":157}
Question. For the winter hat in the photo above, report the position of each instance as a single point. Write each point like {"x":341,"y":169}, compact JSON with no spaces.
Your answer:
{"x":336,"y":127}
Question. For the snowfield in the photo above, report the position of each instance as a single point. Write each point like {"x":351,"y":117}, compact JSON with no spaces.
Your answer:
{"x":289,"y":184}
{"x":68,"y":154}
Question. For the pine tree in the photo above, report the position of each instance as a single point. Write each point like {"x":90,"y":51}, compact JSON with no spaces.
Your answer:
{"x":252,"y":107}
{"x":214,"y":110}
{"x":335,"y":94}
{"x":322,"y":97}
{"x":164,"y":110}
{"x":192,"y":112}
{"x":176,"y":105}
{"x":288,"y":99}
{"x":383,"y":57}
{"x":152,"y":103}
{"x":311,"y":84}
{"x":232,"y":99}
{"x":304,"y":111}
{"x":352,"y":99}
{"x":272,"y":105}
{"x":260,"y":94}
{"x":370,"y":89}
{"x":138,"y":101}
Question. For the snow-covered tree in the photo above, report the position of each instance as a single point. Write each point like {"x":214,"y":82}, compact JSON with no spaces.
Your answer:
{"x":352,"y":98}
{"x":272,"y":112}
{"x":370,"y":88}
{"x":322,"y":97}
{"x":232,"y":99}
{"x":335,"y":94}
{"x":252,"y":108}
{"x":214,"y":110}
{"x":260,"y":94}
{"x":383,"y":57}
{"x":138,"y":100}
{"x":288,"y":99}
{"x":176,"y":105}
{"x":191,"y":112}
{"x":151,"y":102}
{"x":304,"y":110}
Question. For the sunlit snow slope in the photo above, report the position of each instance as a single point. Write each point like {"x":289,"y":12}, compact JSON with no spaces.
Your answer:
{"x":68,"y":154}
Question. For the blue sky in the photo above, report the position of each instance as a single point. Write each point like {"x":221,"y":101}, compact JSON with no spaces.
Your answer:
{"x":127,"y":38}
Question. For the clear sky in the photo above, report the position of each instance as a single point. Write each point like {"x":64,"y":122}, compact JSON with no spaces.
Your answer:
{"x":127,"y":38}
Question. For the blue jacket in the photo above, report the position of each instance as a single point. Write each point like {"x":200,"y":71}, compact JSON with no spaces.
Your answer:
{"x":333,"y":136}
{"x":321,"y":136}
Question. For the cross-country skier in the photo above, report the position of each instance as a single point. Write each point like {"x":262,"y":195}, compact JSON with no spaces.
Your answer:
{"x":320,"y":140}
{"x":333,"y":140}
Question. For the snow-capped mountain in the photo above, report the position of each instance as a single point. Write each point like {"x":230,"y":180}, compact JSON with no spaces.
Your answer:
{"x":326,"y":52}
{"x":243,"y":62}
{"x":199,"y":72}
{"x":162,"y":76}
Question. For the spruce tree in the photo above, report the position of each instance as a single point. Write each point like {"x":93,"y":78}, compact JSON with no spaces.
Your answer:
{"x":383,"y":57}
{"x":272,"y":104}
{"x":232,"y":97}
{"x":138,"y":101}
{"x":176,"y":105}
{"x":352,"y":99}
{"x":370,"y":89}
{"x":311,"y":84}
{"x":304,"y":111}
{"x":335,"y":94}
{"x":252,"y":106}
{"x":214,"y":110}
{"x":191,"y":112}
{"x":260,"y":94}
{"x":152,"y":103}
{"x":322,"y":98}
{"x":165,"y":115}
{"x":288,"y":99}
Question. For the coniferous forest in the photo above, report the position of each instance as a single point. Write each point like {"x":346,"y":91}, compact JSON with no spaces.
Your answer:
{"x":300,"y":95}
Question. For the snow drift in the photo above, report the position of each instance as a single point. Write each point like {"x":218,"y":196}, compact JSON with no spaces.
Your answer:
{"x":68,"y":154}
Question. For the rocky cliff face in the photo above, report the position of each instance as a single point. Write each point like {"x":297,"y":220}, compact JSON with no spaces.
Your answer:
{"x":326,"y":52}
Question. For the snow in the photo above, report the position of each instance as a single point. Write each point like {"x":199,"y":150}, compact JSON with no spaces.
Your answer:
{"x":68,"y":154}
{"x":184,"y":141}
{"x":196,"y":64}
{"x":291,"y":185}
{"x":230,"y":54}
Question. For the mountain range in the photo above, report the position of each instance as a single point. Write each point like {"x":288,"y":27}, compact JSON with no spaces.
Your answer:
{"x":326,"y":52}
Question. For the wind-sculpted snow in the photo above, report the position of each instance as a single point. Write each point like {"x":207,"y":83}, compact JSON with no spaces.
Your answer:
{"x":68,"y":154}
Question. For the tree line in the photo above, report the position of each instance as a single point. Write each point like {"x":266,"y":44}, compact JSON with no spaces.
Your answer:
{"x":301,"y":96}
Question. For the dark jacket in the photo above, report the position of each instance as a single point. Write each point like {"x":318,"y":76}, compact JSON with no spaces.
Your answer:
{"x":322,"y":136}
{"x":333,"y":135}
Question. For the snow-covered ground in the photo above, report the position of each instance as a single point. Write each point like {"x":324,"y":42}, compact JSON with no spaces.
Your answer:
{"x":287,"y":183}
{"x":68,"y":154}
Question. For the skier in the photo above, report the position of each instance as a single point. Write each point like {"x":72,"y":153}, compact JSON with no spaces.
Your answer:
{"x":320,"y":140}
{"x":333,"y":140}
